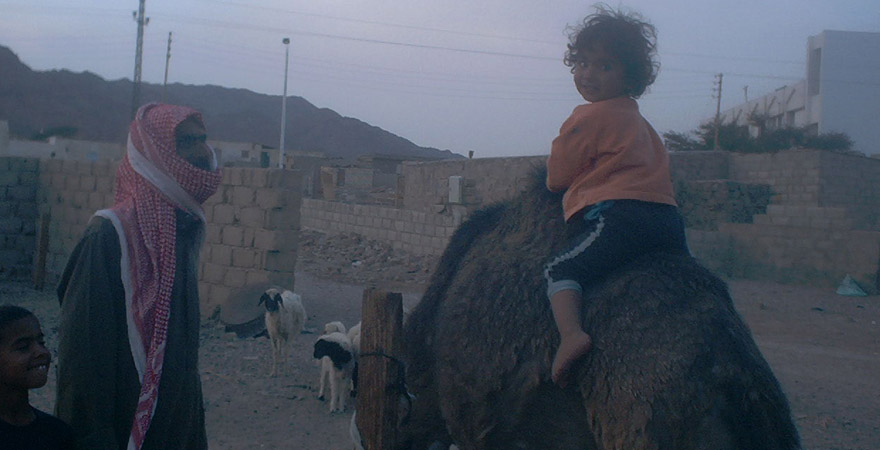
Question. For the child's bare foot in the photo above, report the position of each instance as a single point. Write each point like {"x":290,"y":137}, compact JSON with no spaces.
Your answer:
{"x":572,"y":346}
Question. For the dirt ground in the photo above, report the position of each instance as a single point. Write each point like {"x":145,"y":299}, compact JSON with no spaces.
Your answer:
{"x":823,"y":347}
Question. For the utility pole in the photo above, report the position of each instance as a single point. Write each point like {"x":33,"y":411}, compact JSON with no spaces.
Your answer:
{"x":719,"y":77}
{"x":167,"y":60}
{"x":286,"y":42}
{"x":746,"y":92}
{"x":138,"y":55}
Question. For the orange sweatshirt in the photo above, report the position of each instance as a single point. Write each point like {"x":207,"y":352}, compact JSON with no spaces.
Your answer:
{"x":608,"y":151}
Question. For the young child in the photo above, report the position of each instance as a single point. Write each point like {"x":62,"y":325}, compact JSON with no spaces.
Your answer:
{"x":24,"y":365}
{"x":613,"y":168}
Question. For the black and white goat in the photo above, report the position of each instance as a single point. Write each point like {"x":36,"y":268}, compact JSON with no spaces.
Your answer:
{"x":285,"y":317}
{"x":337,"y":362}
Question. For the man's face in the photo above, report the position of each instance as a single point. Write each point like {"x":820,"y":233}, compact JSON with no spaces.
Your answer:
{"x":191,"y":144}
{"x":24,"y":359}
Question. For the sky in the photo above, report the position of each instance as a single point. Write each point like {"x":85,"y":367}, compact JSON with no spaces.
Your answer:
{"x":461,"y":75}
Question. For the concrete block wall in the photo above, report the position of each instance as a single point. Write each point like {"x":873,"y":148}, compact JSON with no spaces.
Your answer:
{"x":699,"y":165}
{"x":418,"y":232}
{"x":802,"y":254}
{"x":426,"y":184}
{"x":793,"y":175}
{"x":251,"y":235}
{"x":853,"y":182}
{"x":18,"y":213}
{"x":70,"y":192}
{"x":817,"y":178}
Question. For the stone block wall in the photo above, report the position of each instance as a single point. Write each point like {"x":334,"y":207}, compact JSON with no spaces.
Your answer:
{"x":793,"y":175}
{"x":251,"y":234}
{"x":706,"y":204}
{"x":418,"y":232}
{"x":699,"y":165}
{"x":69,"y":193}
{"x":18,"y":214}
{"x":487,"y":180}
{"x":852,"y":182}
{"x":252,"y":231}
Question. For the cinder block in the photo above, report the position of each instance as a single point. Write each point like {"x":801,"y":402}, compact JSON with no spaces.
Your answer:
{"x":269,"y":198}
{"x":253,"y":277}
{"x":221,"y":254}
{"x":104,"y":184}
{"x":232,"y":235}
{"x":22,"y":193}
{"x":243,"y":257}
{"x":235,"y":277}
{"x":252,"y":217}
{"x":232,"y":176}
{"x":258,"y":178}
{"x":223,"y":214}
{"x":242,"y":196}
{"x":214,"y":273}
{"x":87,"y":183}
{"x":95,"y":201}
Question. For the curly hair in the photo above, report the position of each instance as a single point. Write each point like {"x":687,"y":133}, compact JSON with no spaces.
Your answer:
{"x":627,"y":36}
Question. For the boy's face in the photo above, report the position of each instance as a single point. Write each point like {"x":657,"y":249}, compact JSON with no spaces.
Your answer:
{"x":24,"y":358}
{"x":599,"y":76}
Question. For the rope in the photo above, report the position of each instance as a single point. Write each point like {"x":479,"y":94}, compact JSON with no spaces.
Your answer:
{"x":399,"y":385}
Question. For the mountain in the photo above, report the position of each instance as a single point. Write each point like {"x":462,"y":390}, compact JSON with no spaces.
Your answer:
{"x":99,"y":110}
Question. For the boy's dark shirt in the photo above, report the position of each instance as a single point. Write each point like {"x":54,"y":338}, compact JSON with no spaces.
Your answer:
{"x":44,"y":433}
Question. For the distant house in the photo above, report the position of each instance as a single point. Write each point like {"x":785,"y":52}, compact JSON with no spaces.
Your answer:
{"x":840,"y":92}
{"x":244,"y":154}
{"x":61,"y":148}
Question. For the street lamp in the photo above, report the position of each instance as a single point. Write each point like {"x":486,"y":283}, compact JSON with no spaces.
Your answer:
{"x":286,"y":42}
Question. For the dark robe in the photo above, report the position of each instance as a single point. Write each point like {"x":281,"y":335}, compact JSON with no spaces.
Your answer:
{"x":98,"y":384}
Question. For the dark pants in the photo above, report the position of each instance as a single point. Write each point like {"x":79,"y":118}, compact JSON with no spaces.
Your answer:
{"x":610,"y":234}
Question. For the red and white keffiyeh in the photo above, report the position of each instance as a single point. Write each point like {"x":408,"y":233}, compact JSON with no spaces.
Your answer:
{"x":151,"y":182}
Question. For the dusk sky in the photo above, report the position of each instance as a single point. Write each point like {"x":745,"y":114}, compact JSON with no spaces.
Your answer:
{"x":483,"y":75}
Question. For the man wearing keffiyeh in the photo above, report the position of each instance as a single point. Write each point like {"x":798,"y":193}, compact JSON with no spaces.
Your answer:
{"x":128,"y":349}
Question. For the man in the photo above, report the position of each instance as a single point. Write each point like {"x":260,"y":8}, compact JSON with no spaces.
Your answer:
{"x":128,"y":350}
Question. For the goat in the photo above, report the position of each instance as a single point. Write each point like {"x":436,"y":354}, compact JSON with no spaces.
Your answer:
{"x":354,"y":336}
{"x":285,"y":317}
{"x":334,"y":352}
{"x":334,"y":326}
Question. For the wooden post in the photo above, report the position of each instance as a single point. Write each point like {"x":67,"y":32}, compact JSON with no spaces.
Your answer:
{"x":40,"y":255}
{"x":378,"y":369}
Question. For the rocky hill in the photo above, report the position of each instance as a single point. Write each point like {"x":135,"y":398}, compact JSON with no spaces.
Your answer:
{"x":99,"y":109}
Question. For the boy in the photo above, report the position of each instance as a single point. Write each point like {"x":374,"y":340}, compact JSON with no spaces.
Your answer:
{"x":24,"y":365}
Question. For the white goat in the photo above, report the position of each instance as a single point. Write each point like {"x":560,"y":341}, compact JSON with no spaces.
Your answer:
{"x":354,"y":336}
{"x":334,"y":326}
{"x":334,"y":352}
{"x":285,"y":317}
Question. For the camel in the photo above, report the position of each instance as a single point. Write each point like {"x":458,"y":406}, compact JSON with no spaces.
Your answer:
{"x":673,"y":365}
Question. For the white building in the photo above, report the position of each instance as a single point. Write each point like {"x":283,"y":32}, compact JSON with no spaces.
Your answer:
{"x":840,"y":92}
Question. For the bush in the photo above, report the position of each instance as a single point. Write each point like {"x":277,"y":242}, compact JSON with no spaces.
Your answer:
{"x":736,"y":138}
